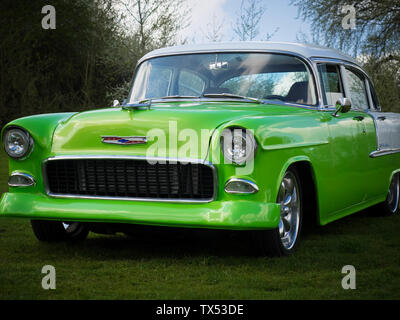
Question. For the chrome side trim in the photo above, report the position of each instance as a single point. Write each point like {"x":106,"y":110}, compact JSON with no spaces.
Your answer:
{"x":294,"y":145}
{"x":384,"y":152}
{"x":31,"y":180}
{"x":245,"y":181}
{"x":149,"y":159}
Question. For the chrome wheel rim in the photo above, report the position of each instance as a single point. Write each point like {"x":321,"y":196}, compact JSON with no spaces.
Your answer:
{"x":289,"y":222}
{"x":393,"y":195}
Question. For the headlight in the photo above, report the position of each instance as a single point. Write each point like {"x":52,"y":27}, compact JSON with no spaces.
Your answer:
{"x":238,"y":145}
{"x":17,"y":143}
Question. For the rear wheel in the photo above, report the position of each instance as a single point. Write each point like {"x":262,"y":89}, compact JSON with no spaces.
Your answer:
{"x":51,"y":231}
{"x":284,"y":240}
{"x":391,"y":205}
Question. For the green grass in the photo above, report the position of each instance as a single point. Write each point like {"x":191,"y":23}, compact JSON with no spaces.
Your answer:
{"x":202,"y":265}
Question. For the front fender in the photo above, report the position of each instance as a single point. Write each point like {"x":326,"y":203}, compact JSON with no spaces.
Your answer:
{"x":40,"y":127}
{"x":282,"y":141}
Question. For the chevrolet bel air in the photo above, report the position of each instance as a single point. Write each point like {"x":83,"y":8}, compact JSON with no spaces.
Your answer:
{"x":256,"y":136}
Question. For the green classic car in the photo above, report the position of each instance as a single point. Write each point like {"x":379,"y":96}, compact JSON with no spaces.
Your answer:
{"x":252,"y":136}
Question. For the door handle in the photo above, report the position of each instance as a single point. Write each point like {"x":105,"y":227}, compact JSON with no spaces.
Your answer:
{"x":358,"y":118}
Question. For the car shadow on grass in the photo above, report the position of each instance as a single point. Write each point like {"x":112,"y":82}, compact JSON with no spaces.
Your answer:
{"x":169,"y":242}
{"x":177,"y":243}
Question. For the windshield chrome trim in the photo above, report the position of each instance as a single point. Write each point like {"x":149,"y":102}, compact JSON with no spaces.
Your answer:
{"x":83,"y":157}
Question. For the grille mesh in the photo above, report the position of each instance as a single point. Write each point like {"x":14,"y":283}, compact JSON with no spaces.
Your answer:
{"x":130,"y":179}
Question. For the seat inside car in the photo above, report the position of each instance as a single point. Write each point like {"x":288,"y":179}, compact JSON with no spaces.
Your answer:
{"x":298,"y":92}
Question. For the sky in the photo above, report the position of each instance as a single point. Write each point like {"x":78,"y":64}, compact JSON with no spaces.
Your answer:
{"x":278,"y":14}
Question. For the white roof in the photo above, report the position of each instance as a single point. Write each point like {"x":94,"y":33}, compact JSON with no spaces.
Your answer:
{"x":305,"y":50}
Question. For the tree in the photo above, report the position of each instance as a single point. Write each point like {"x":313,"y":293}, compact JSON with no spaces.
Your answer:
{"x":214,"y":30}
{"x":249,"y":17}
{"x":70,"y":68}
{"x":155,"y":23}
{"x":376,"y":30}
{"x":374,"y":38}
{"x":385,"y":74}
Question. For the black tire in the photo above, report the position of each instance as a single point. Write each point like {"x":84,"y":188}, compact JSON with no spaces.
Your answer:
{"x":53,"y":231}
{"x":391,"y":205}
{"x":273,"y":242}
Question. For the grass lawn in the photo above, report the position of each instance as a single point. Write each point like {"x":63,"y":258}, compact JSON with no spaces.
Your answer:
{"x":202,"y":265}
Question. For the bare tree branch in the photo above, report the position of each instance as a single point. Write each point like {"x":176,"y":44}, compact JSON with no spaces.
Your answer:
{"x":250,"y":14}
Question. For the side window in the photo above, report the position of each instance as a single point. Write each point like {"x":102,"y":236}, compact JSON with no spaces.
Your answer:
{"x":332,"y":87}
{"x":357,"y":90}
{"x":190,"y":84}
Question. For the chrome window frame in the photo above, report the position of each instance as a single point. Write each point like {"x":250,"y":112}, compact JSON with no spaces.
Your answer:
{"x":342,"y":65}
{"x":111,"y":157}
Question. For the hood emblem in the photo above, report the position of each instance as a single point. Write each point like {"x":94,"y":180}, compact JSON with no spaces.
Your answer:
{"x":124,"y":140}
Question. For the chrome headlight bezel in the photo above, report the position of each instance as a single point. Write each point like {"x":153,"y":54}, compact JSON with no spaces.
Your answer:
{"x":238,"y":145}
{"x":22,"y":141}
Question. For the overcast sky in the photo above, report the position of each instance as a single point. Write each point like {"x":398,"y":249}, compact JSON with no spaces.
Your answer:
{"x":278,"y":14}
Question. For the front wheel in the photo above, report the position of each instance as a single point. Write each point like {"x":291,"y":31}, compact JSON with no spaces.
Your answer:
{"x":284,"y":240}
{"x":52,"y":231}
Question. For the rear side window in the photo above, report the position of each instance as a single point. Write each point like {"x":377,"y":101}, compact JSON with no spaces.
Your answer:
{"x":357,"y":89}
{"x":332,"y":87}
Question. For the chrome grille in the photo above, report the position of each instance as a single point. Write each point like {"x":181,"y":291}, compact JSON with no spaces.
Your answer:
{"x":129,"y":178}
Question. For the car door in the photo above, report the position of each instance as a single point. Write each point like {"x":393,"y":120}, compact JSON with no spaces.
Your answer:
{"x":387,"y":142}
{"x":345,"y":180}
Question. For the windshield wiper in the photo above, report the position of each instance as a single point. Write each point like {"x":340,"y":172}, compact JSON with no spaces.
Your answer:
{"x":147,"y":102}
{"x":230,"y":95}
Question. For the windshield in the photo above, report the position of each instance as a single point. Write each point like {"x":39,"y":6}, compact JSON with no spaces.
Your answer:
{"x":264,"y":76}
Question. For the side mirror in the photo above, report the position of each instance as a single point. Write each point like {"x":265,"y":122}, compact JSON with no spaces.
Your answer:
{"x":115,"y":103}
{"x":343,"y":105}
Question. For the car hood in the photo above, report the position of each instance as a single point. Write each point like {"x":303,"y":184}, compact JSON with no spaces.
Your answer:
{"x":171,"y":125}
